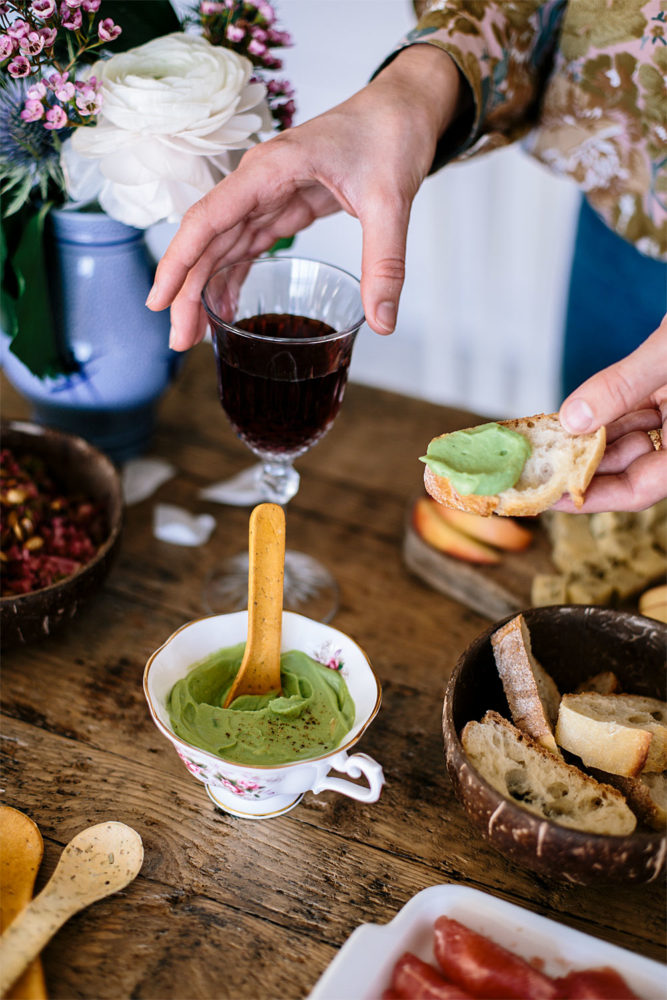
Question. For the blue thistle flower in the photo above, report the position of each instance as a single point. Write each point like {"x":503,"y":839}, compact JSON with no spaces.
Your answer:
{"x":29,"y":153}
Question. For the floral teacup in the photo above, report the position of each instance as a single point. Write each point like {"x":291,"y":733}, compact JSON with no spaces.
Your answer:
{"x":259,"y":791}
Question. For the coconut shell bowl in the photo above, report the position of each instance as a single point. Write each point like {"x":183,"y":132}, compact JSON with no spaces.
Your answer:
{"x":572,"y":643}
{"x":78,"y":470}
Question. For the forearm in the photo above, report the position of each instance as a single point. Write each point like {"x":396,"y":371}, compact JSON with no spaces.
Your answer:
{"x":428,"y":83}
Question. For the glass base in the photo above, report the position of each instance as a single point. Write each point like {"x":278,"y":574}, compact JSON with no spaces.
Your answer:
{"x":308,"y":587}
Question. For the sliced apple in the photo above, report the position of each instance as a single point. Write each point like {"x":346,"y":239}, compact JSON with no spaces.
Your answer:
{"x":653,"y":603}
{"x":502,"y":532}
{"x":430,"y":526}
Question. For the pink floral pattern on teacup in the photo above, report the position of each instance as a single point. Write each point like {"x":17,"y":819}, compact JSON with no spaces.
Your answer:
{"x":246,"y":788}
{"x":328,"y":656}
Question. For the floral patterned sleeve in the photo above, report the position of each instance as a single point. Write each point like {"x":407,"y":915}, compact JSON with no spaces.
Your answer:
{"x":505,"y":52}
{"x":585,"y":81}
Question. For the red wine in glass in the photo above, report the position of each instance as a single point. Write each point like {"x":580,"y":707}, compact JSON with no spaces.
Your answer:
{"x":281,"y":399}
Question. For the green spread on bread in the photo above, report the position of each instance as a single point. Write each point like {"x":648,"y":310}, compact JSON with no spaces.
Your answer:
{"x":483,"y":460}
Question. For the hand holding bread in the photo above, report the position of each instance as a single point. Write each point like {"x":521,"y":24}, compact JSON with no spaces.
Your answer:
{"x":630,"y":399}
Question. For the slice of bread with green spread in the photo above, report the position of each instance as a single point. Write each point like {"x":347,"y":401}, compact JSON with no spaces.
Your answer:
{"x":559,"y":463}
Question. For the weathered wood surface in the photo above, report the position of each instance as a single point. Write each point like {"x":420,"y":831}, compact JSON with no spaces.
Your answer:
{"x":226,"y":907}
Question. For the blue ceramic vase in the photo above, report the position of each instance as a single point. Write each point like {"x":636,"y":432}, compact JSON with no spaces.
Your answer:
{"x":100,"y":272}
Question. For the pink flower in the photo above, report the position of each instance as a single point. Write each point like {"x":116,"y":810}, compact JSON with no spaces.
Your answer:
{"x":32,"y":43}
{"x":107,"y":30}
{"x":91,"y":5}
{"x":71,"y":19}
{"x":234,"y":33}
{"x":280,"y":38}
{"x":64,"y":92}
{"x":56,"y":80}
{"x":55,"y":118}
{"x":18,"y":29}
{"x":6,"y":47}
{"x":211,"y":7}
{"x":73,"y":4}
{"x":256,"y":48}
{"x":32,"y":111}
{"x":19,"y":67}
{"x":37,"y":92}
{"x":88,"y":99}
{"x":266,"y":11}
{"x":49,"y":35}
{"x":43,"y":8}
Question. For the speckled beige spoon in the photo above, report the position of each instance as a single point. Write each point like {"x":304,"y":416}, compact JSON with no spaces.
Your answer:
{"x":259,"y":672}
{"x":21,"y":850}
{"x":97,"y":862}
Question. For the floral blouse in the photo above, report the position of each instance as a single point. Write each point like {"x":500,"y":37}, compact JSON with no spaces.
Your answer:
{"x":585,"y":82}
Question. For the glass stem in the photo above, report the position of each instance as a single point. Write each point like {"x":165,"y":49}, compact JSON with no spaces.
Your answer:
{"x":280,"y":481}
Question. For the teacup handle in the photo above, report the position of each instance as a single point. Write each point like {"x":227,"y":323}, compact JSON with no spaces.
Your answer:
{"x":355,"y":766}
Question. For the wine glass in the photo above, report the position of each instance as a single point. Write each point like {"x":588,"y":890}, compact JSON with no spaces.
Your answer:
{"x":283,"y":329}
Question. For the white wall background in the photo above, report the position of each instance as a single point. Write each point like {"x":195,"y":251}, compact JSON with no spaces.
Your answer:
{"x":488,"y":246}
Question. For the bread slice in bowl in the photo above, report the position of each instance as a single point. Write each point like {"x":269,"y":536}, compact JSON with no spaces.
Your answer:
{"x":532,"y":694}
{"x":524,"y":772}
{"x":623,"y":734}
{"x":558,"y":463}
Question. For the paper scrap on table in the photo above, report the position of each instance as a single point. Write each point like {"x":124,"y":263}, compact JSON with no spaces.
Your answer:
{"x":143,"y":476}
{"x":179,"y":527}
{"x":242,"y":490}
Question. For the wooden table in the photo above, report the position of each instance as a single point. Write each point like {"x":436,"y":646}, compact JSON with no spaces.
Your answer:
{"x":226,"y":907}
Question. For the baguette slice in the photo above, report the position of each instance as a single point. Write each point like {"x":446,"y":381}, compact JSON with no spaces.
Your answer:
{"x":620,"y":733}
{"x":521,"y":770}
{"x":531,"y":692}
{"x":559,"y":463}
{"x":646,"y":795}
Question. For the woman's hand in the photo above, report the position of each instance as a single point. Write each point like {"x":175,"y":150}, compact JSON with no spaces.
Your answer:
{"x":630,"y":397}
{"x":367,"y":156}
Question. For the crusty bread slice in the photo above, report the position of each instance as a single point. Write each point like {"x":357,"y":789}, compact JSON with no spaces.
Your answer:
{"x":531,"y":692}
{"x":523,"y":771}
{"x":559,"y":463}
{"x":646,"y":795}
{"x":606,"y":682}
{"x":619,"y":733}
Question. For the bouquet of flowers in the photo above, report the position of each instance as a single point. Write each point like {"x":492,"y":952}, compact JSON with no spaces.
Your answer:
{"x":127,"y":107}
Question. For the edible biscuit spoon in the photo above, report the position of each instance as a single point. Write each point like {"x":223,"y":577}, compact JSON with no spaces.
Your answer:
{"x":97,"y":862}
{"x":21,"y":850}
{"x":259,"y":672}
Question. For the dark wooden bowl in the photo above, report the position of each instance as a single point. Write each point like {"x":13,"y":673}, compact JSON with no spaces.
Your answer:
{"x":79,"y":468}
{"x":571,"y":642}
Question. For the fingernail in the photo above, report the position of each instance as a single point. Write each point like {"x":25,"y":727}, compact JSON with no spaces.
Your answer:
{"x":151,"y":295}
{"x":385,"y":315}
{"x":172,"y":338}
{"x":577,"y":416}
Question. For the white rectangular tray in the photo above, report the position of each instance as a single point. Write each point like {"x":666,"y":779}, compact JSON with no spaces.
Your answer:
{"x":362,"y":968}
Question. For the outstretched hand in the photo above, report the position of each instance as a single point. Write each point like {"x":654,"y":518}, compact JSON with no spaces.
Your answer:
{"x":352,"y":158}
{"x":630,"y":397}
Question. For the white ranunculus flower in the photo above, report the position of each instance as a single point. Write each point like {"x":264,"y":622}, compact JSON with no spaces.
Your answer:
{"x":177,"y":114}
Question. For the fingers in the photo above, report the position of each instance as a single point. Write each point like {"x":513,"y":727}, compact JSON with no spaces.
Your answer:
{"x":636,"y":488}
{"x":619,"y":389}
{"x":385,"y":226}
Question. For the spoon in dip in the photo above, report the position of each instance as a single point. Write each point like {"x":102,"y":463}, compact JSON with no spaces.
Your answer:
{"x":259,"y":672}
{"x":96,"y":862}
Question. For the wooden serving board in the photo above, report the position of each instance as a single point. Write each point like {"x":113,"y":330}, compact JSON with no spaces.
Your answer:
{"x":492,"y":591}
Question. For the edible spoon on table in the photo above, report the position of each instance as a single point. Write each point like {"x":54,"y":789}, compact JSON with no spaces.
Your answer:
{"x":96,"y":863}
{"x":21,"y":851}
{"x":259,"y":672}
